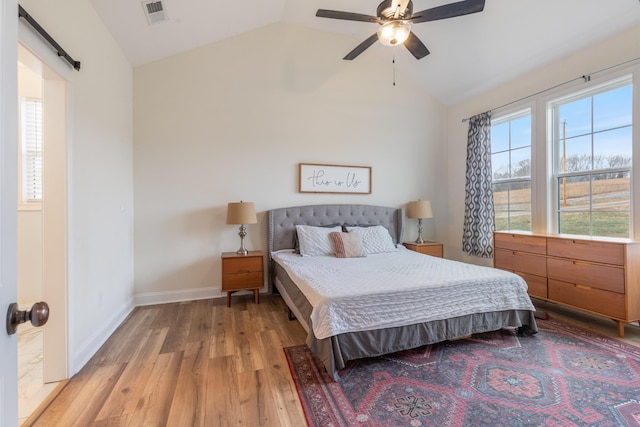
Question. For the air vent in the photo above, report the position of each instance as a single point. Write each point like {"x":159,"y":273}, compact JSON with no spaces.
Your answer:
{"x":154,"y":11}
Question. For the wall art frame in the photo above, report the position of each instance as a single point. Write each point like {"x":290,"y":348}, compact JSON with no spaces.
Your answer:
{"x":324,"y":178}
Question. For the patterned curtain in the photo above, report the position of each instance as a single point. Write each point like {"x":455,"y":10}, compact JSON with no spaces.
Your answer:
{"x":479,"y":222}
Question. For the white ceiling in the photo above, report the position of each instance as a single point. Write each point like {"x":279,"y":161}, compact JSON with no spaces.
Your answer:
{"x":469,"y":54}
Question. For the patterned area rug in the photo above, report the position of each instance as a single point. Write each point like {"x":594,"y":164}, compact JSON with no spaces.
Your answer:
{"x":563,"y":376}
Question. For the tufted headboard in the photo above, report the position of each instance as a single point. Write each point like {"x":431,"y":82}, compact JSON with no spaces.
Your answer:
{"x":282,"y":222}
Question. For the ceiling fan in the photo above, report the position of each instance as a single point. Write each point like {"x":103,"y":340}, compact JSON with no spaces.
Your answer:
{"x":395,"y":18}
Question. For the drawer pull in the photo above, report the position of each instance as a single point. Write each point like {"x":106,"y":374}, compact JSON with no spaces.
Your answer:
{"x":577,"y":242}
{"x":582,"y":287}
{"x":586,"y":264}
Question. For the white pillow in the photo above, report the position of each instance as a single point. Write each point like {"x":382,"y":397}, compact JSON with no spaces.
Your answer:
{"x":314,"y":241}
{"x":375,"y":239}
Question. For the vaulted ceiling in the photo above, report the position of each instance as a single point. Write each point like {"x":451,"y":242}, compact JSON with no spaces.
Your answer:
{"x":469,"y":54}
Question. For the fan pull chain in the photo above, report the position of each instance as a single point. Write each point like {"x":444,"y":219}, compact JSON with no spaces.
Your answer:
{"x":393,"y":62}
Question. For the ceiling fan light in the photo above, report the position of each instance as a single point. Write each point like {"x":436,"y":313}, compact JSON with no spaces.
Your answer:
{"x":393,"y":33}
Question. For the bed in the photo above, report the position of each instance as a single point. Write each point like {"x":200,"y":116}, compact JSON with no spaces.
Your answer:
{"x":412,"y":300}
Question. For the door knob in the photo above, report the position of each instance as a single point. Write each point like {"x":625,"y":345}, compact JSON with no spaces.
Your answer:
{"x":38,"y":316}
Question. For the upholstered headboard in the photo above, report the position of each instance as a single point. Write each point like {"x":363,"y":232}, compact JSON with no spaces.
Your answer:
{"x":282,"y":222}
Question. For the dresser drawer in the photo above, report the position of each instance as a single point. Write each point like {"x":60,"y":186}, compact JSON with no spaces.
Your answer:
{"x":586,"y":250}
{"x":537,"y":285}
{"x":596,"y":300}
{"x":241,"y":281}
{"x":242,"y":265}
{"x":520,"y":242}
{"x":608,"y":278}
{"x":520,"y":262}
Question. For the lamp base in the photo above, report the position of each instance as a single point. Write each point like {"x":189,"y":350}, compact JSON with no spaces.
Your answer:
{"x":419,"y":239}
{"x":242,"y":233}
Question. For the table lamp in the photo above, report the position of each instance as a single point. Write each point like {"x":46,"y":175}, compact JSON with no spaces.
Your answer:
{"x":420,"y":210}
{"x":241,"y":213}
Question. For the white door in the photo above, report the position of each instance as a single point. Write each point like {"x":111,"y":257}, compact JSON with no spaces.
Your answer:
{"x":8,"y":208}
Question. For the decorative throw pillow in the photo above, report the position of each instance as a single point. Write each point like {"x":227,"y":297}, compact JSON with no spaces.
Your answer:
{"x":347,"y":245}
{"x":296,"y":241}
{"x":375,"y":239}
{"x":314,"y":241}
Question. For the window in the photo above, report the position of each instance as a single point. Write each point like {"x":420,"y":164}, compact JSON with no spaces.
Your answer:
{"x":511,"y":170}
{"x":592,"y":146}
{"x":31,"y":153}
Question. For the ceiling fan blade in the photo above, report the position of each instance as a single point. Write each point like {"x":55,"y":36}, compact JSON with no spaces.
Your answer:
{"x":415,"y":46}
{"x":361,"y":47}
{"x":347,"y":16}
{"x":450,"y":10}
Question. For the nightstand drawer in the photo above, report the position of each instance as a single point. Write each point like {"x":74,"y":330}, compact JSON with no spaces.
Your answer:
{"x":242,"y":265}
{"x":241,"y":281}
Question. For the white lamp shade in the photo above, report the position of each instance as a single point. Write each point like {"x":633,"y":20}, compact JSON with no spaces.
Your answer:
{"x":420,"y":209}
{"x":241,"y":213}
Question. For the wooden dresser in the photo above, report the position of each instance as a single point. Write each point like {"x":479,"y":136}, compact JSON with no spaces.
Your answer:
{"x":598,"y":275}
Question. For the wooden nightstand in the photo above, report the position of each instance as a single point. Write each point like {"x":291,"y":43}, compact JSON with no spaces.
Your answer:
{"x":427,"y":248}
{"x":242,"y":273}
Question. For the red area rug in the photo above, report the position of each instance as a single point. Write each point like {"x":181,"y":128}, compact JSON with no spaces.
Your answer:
{"x":563,"y":376}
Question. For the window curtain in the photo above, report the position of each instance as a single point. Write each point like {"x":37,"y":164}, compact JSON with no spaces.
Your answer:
{"x":479,"y":222}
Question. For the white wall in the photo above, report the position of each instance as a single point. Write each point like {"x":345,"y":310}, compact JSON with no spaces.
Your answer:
{"x":100,"y":174}
{"x":616,"y":50}
{"x":232,"y":120}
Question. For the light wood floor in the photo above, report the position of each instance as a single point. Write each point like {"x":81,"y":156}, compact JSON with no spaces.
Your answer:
{"x":201,"y":363}
{"x":32,"y":390}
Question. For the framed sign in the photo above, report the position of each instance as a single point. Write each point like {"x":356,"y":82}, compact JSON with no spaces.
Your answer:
{"x":317,"y":178}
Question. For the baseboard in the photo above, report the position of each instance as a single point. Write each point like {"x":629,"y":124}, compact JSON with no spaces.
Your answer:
{"x":151,"y":298}
{"x":93,"y":344}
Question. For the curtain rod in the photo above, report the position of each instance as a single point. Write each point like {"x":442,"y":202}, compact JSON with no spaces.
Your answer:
{"x":60,"y":51}
{"x":585,"y":77}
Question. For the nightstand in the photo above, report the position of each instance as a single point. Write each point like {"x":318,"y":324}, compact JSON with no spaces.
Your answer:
{"x":427,"y":248}
{"x":242,"y":273}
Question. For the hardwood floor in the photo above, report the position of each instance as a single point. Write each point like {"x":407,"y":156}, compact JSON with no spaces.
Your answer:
{"x":195,"y":363}
{"x":201,"y":363}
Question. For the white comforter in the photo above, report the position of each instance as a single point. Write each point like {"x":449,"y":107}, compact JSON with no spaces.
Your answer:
{"x":397,"y":289}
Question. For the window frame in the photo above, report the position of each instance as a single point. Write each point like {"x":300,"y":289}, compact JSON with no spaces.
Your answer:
{"x":514,"y":113}
{"x":606,"y":84}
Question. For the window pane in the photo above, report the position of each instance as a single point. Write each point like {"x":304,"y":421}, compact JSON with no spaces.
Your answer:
{"x":500,"y":196}
{"x":500,"y":137}
{"x":578,"y":154}
{"x":614,"y":146}
{"x":576,"y":117}
{"x":521,"y":132}
{"x":611,"y":192}
{"x":520,"y":196}
{"x":520,"y":221}
{"x":521,"y":162}
{"x":611,"y":224}
{"x":574,"y":193}
{"x":574,"y":223}
{"x":500,"y":165}
{"x":502,"y":220}
{"x":612,"y":109}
